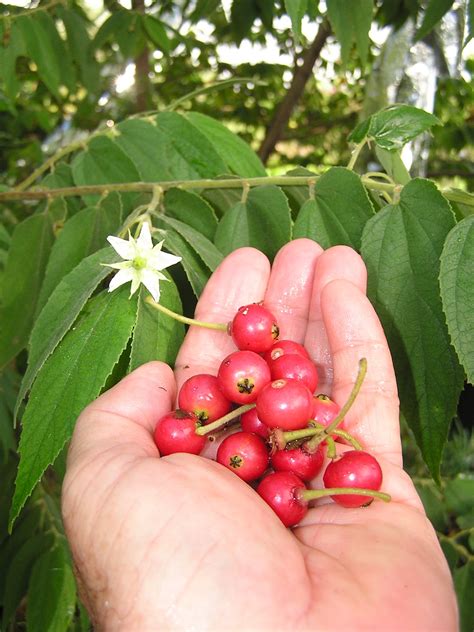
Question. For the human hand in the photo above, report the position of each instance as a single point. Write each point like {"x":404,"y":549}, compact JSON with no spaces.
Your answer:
{"x":181,"y":543}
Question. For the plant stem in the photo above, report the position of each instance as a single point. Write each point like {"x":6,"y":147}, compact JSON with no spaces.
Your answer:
{"x":355,"y":154}
{"x":331,"y":451}
{"x":313,"y":494}
{"x":185,"y":319}
{"x":348,"y":437}
{"x":218,"y":423}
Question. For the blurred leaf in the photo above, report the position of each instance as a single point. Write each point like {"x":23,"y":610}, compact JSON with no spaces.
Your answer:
{"x":156,"y":32}
{"x":8,"y":56}
{"x":339,"y":211}
{"x":394,"y":126}
{"x":132,"y":40}
{"x":194,"y":267}
{"x":61,"y":310}
{"x":263,"y":221}
{"x":192,"y":210}
{"x":459,"y":494}
{"x":470,"y":21}
{"x":27,"y":258}
{"x":117,"y":23}
{"x":203,"y":8}
{"x":464,"y":584}
{"x":296,"y":10}
{"x":79,"y":44}
{"x":85,"y":357}
{"x":457,"y":291}
{"x":433,"y":14}
{"x":157,"y":336}
{"x":401,"y":246}
{"x":243,"y":15}
{"x":433,"y":503}
{"x":451,"y":552}
{"x":236,"y":154}
{"x":8,"y":392}
{"x":66,"y":69}
{"x":51,"y":593}
{"x":351,"y":22}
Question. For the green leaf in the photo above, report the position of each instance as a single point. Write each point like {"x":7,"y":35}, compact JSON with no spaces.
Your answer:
{"x":339,"y":211}
{"x":457,"y":291}
{"x":61,"y":176}
{"x":41,"y":50}
{"x":263,"y":221}
{"x":394,"y":126}
{"x":450,"y":550}
{"x":157,"y":336}
{"x":401,"y":246}
{"x":131,"y":41}
{"x":27,"y":257}
{"x":194,"y":267}
{"x":243,"y":14}
{"x":433,"y":14}
{"x":433,"y":503}
{"x":156,"y":32}
{"x":79,"y":45}
{"x":60,"y":312}
{"x":351,"y":22}
{"x":393,"y":165}
{"x":8,"y":56}
{"x":8,"y":393}
{"x":66,"y":68}
{"x":459,"y":494}
{"x":470,"y":21}
{"x":18,"y":573}
{"x":51,"y":593}
{"x":204,"y":248}
{"x":464,"y":584}
{"x":192,"y":210}
{"x":85,"y":233}
{"x":296,"y":10}
{"x":119,"y":22}
{"x":70,"y":379}
{"x":235,"y":152}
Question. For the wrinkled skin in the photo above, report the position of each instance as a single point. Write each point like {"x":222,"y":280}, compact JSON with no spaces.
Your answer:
{"x":181,"y":543}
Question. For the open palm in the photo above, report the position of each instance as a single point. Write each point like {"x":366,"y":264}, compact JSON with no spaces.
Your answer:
{"x":181,"y":543}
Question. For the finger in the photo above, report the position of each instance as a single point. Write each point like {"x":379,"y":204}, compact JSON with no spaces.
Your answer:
{"x":240,"y":279}
{"x":288,"y":294}
{"x":124,"y":417}
{"x":354,"y":331}
{"x":339,"y":262}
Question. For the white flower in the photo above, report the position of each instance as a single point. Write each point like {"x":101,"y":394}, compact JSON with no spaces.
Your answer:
{"x":142,"y":262}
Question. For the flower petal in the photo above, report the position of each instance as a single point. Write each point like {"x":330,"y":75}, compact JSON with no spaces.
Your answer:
{"x":144,"y":241}
{"x":152,"y":283}
{"x":121,"y":265}
{"x":126,"y":249}
{"x":162,"y":260}
{"x":135,"y":283}
{"x":123,"y":276}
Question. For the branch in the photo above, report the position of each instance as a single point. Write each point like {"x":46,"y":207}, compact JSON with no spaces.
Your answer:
{"x":286,"y":107}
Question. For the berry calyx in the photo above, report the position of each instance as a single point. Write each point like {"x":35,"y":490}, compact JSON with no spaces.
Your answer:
{"x":254,"y":328}
{"x":242,"y":375}
{"x":284,"y":404}
{"x":250,"y":422}
{"x":357,"y":469}
{"x":176,"y":432}
{"x":245,"y":454}
{"x":306,"y":466}
{"x":281,"y":347}
{"x":292,"y":366}
{"x":281,"y":491}
{"x":202,"y":396}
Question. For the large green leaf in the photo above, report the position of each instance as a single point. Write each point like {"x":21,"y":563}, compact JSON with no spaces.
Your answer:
{"x":192,"y":210}
{"x":71,"y":378}
{"x":236,"y":154}
{"x":61,"y":310}
{"x":157,"y":336}
{"x":51,"y":592}
{"x":464,"y":584}
{"x":296,"y":10}
{"x":8,"y":56}
{"x":457,"y":291}
{"x":194,"y":267}
{"x":433,"y":14}
{"x":338,"y":212}
{"x":351,"y":22}
{"x":66,"y":68}
{"x":85,"y":233}
{"x":27,"y":257}
{"x":262,"y":221}
{"x":79,"y":45}
{"x":156,"y":32}
{"x":9,"y":380}
{"x":401,"y":246}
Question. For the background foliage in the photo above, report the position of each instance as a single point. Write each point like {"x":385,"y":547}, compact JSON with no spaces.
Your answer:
{"x":119,"y":97}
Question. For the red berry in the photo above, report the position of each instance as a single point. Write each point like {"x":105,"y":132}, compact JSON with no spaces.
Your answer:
{"x":254,"y":328}
{"x":202,"y":396}
{"x":298,"y":461}
{"x":175,"y":432}
{"x":242,"y":375}
{"x":292,"y":366}
{"x":251,"y":423}
{"x":354,"y":469}
{"x":285,"y":404}
{"x":279,"y":490}
{"x":325,"y":410}
{"x":245,"y":454}
{"x":280,"y":347}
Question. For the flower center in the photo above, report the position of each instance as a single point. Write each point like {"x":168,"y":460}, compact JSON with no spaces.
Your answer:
{"x":139,"y":263}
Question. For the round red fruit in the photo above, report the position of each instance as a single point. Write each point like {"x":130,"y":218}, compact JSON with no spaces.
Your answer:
{"x":285,"y":404}
{"x":304,"y":464}
{"x":245,"y":454}
{"x":254,"y":328}
{"x":354,"y":468}
{"x":202,"y":396}
{"x":251,"y":423}
{"x":280,"y":491}
{"x":175,"y":432}
{"x":242,"y":375}
{"x":325,"y":410}
{"x":291,"y":366}
{"x":280,"y":347}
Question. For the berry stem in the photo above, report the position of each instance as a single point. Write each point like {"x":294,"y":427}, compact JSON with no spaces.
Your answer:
{"x":185,"y":319}
{"x":313,"y":494}
{"x":348,"y":437}
{"x":331,"y":451}
{"x":222,"y":421}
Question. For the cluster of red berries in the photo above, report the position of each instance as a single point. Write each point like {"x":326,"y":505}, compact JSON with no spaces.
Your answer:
{"x":285,"y":428}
